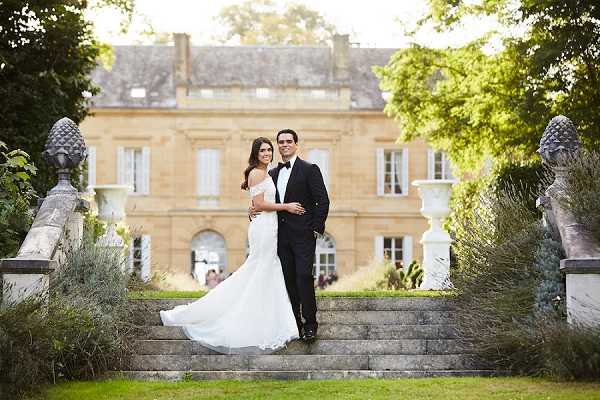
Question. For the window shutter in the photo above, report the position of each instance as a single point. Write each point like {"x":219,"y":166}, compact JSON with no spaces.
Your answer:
{"x":430,"y":164}
{"x":199,"y":173}
{"x":146,"y":258}
{"x":405,"y":172}
{"x":407,"y":250}
{"x":321,"y":158}
{"x":121,"y":166}
{"x":447,"y":167}
{"x":91,"y":164}
{"x":378,"y":248}
{"x":145,"y":189}
{"x":208,"y":174}
{"x":215,"y":175}
{"x":380,"y":171}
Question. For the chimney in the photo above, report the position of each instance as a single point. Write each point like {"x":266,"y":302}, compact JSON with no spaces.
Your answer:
{"x":182,"y":62}
{"x":341,"y":48}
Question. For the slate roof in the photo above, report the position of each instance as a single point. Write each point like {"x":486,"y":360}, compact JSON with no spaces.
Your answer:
{"x":151,"y":67}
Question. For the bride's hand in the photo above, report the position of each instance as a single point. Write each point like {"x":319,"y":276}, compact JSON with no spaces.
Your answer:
{"x":295,"y":208}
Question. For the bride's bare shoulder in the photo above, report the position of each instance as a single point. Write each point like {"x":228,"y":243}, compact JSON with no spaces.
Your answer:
{"x":256,"y":176}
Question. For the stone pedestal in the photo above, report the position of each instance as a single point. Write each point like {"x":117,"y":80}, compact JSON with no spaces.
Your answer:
{"x":22,"y":278}
{"x":436,"y":241}
{"x":583,"y":290}
{"x":111,"y":200}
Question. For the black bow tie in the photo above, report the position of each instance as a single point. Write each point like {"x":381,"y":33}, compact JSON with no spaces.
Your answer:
{"x":285,"y":164}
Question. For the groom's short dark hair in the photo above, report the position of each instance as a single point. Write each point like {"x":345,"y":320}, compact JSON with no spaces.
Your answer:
{"x":290,"y":131}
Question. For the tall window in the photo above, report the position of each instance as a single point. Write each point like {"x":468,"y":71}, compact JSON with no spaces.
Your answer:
{"x":133,"y":168}
{"x":439,"y":166}
{"x":208,"y":177}
{"x":321,"y":158}
{"x":392,"y":172}
{"x":396,"y":249}
{"x":139,"y":257}
{"x":324,"y":256}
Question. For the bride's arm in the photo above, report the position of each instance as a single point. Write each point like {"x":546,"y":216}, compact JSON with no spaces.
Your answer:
{"x":260,"y":204}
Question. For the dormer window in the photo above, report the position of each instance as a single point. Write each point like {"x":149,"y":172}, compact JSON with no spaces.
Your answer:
{"x":138,"y":93}
{"x":263,"y":93}
{"x":207,"y":93}
{"x":318,"y":93}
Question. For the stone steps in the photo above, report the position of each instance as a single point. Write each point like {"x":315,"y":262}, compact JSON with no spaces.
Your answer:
{"x":300,"y":375}
{"x":333,"y":303}
{"x":357,"y":338}
{"x":301,"y":362}
{"x":336,"y":331}
{"x":320,"y":347}
{"x":376,"y":317}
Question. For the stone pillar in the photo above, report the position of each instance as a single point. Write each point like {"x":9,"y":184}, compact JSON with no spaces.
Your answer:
{"x":56,"y":223}
{"x":559,"y":145}
{"x":436,"y":241}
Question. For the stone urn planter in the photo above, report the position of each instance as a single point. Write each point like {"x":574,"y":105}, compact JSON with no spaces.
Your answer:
{"x":435,"y":195}
{"x":111,"y":200}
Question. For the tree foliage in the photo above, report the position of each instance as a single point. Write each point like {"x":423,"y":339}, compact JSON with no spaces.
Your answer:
{"x":16,"y":193}
{"x":475,"y":104}
{"x":47,"y":51}
{"x":260,"y":22}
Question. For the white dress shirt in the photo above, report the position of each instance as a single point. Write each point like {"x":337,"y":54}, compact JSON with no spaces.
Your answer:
{"x":283,"y":178}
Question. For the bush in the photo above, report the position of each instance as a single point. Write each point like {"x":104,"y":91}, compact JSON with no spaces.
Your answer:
{"x":16,"y":195}
{"x":495,"y":276}
{"x":400,"y":279}
{"x":79,"y":331}
{"x":510,"y":292}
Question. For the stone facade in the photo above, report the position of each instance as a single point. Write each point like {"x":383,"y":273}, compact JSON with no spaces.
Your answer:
{"x":173,"y":130}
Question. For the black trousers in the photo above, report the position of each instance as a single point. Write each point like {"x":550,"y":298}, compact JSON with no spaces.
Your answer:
{"x":297,"y":252}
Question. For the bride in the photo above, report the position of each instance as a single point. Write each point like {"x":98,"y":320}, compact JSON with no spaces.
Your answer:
{"x":249,"y":312}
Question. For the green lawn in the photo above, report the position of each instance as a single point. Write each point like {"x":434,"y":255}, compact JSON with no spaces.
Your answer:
{"x":398,"y":389}
{"x":170,"y":294}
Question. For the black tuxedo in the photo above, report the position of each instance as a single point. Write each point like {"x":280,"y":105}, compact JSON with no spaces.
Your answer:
{"x":296,"y":240}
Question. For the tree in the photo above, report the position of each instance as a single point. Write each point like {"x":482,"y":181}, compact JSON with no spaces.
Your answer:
{"x":47,"y":51}
{"x":16,"y":193}
{"x":259,"y":22}
{"x":475,"y":104}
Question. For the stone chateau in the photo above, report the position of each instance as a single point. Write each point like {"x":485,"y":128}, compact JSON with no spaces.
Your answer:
{"x":176,"y":123}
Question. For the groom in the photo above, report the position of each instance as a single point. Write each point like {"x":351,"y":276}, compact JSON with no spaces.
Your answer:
{"x":299,"y":181}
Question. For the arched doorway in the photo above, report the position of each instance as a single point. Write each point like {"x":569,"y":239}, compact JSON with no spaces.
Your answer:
{"x":324,"y":256}
{"x":208,"y":251}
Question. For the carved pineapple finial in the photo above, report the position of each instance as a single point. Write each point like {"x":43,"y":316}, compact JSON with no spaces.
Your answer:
{"x":65,"y":149}
{"x":559,"y":141}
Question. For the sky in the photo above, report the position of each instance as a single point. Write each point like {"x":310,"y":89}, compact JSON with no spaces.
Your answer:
{"x":373,"y":23}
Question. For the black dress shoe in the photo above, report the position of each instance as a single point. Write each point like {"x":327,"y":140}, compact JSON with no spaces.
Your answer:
{"x":310,"y":335}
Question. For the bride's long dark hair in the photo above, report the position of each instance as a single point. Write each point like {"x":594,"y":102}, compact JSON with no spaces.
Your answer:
{"x":253,"y":159}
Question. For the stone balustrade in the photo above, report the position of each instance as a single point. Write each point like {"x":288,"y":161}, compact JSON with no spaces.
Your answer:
{"x":58,"y":223}
{"x":558,"y":146}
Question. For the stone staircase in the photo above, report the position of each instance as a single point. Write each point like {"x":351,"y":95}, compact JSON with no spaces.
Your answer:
{"x":357,"y":338}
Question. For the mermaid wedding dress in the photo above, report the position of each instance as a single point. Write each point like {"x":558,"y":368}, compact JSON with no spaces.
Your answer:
{"x":249,"y":312}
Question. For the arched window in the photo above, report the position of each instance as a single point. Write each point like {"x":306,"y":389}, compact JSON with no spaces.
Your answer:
{"x":324,"y":256}
{"x":208,"y":252}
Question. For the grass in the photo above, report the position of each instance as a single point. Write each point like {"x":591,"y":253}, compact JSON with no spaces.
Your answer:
{"x":398,"y":389}
{"x":170,"y":294}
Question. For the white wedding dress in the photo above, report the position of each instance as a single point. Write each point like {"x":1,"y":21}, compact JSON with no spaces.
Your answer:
{"x":249,"y":312}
